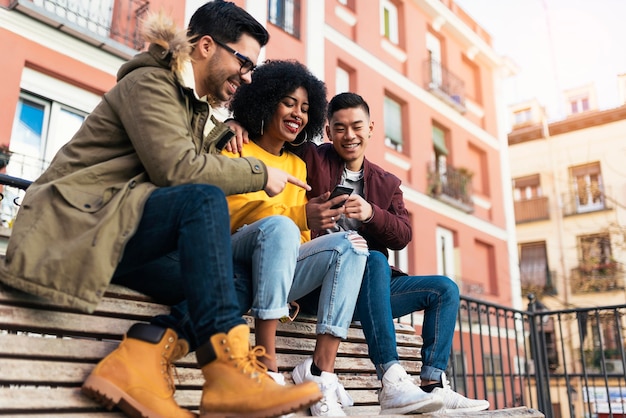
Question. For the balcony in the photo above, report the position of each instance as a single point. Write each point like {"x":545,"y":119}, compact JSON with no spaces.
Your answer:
{"x":111,"y":25}
{"x":531,"y":210}
{"x":597,"y":277}
{"x":538,"y":282}
{"x":586,"y":201}
{"x":444,"y":84}
{"x":452,"y":186}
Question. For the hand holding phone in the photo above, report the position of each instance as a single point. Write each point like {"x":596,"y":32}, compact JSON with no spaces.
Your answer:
{"x":338,"y":191}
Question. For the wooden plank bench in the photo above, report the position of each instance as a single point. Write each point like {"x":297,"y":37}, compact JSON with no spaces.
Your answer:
{"x":47,"y":351}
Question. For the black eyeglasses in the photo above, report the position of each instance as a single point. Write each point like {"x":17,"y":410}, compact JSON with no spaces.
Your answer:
{"x":246,"y":64}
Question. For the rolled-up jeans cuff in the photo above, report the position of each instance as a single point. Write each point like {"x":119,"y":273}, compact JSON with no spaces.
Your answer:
{"x":381,"y":369}
{"x":431,"y":373}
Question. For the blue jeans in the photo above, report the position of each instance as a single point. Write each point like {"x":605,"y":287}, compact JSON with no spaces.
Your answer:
{"x":191,"y":221}
{"x":282,"y":270}
{"x":384,"y":297}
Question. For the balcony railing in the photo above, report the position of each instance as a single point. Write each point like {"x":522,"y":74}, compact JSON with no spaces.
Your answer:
{"x":586,"y":201}
{"x":444,"y":84}
{"x":530,"y":210}
{"x":589,"y":278}
{"x":113,"y":25}
{"x":565,"y":363}
{"x":538,"y":281}
{"x":453,"y":186}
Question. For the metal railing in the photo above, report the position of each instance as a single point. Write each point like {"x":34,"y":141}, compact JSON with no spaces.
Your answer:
{"x":591,"y":199}
{"x":563,"y":363}
{"x":452,"y":185}
{"x":113,"y":25}
{"x":444,"y":84}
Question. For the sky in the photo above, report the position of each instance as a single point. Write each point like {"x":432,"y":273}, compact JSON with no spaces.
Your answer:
{"x":556,"y":45}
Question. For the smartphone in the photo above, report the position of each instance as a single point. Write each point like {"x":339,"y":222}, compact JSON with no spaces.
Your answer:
{"x":338,"y":191}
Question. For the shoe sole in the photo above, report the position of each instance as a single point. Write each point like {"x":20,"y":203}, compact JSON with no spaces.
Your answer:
{"x":468,"y":409}
{"x":109,"y":395}
{"x":275,"y":411}
{"x":427,"y":405}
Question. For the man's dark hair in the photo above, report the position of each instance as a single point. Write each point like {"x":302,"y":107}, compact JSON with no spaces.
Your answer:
{"x":254,"y":104}
{"x":347,"y":101}
{"x":226,"y":22}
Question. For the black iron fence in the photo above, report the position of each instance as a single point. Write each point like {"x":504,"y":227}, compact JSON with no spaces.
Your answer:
{"x":566,"y":363}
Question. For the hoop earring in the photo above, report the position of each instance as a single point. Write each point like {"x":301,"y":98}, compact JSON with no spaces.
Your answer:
{"x":305,"y":139}
{"x":262,"y":123}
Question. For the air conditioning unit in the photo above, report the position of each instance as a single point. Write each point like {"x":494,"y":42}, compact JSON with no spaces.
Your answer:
{"x":614,"y":367}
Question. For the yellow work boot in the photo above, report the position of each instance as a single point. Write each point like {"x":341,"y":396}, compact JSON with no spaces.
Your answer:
{"x":237,"y":384}
{"x":137,"y":375}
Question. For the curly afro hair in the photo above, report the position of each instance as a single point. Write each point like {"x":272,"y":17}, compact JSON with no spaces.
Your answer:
{"x":254,"y":104}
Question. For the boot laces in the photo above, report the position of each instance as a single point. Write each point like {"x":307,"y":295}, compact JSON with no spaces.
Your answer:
{"x":179,"y":350}
{"x":251,"y":364}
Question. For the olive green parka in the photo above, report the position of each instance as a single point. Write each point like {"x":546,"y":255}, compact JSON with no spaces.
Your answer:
{"x":147,"y":132}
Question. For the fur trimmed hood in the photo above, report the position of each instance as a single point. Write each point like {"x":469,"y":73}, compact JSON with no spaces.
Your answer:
{"x":169,"y":46}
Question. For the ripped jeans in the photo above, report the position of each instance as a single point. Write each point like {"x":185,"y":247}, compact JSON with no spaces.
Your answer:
{"x":284,"y":270}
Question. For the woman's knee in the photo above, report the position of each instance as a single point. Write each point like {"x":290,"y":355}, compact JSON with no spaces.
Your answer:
{"x":347,"y":243}
{"x":282,"y":225}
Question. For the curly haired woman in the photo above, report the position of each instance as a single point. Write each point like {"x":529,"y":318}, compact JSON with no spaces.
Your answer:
{"x":285,"y":106}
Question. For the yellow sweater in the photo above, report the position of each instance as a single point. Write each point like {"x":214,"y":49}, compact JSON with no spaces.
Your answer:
{"x":247,"y":208}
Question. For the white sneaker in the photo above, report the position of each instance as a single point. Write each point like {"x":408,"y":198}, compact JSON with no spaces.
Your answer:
{"x":334,"y":394}
{"x":280,"y":379}
{"x":455,"y":402}
{"x":277,"y":377}
{"x":400,"y":395}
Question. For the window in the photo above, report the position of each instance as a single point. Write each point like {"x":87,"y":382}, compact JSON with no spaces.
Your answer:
{"x":522,"y":116}
{"x":433,"y":46}
{"x":445,"y":252}
{"x":527,"y":187}
{"x":493,"y":372}
{"x":603,"y":327}
{"x":484,"y":256}
{"x":393,"y":124}
{"x":400,"y":259}
{"x":389,"y":21}
{"x":595,"y":252}
{"x":48,"y":113}
{"x":440,"y":154}
{"x":348,"y":3}
{"x":286,"y":15}
{"x":342,"y":80}
{"x":477,"y":169}
{"x":588,"y":188}
{"x":471,"y":79}
{"x":41,"y":127}
{"x":534,"y":270}
{"x":579,"y":104}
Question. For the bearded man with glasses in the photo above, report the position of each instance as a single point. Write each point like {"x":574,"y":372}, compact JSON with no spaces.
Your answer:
{"x":141,"y":180}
